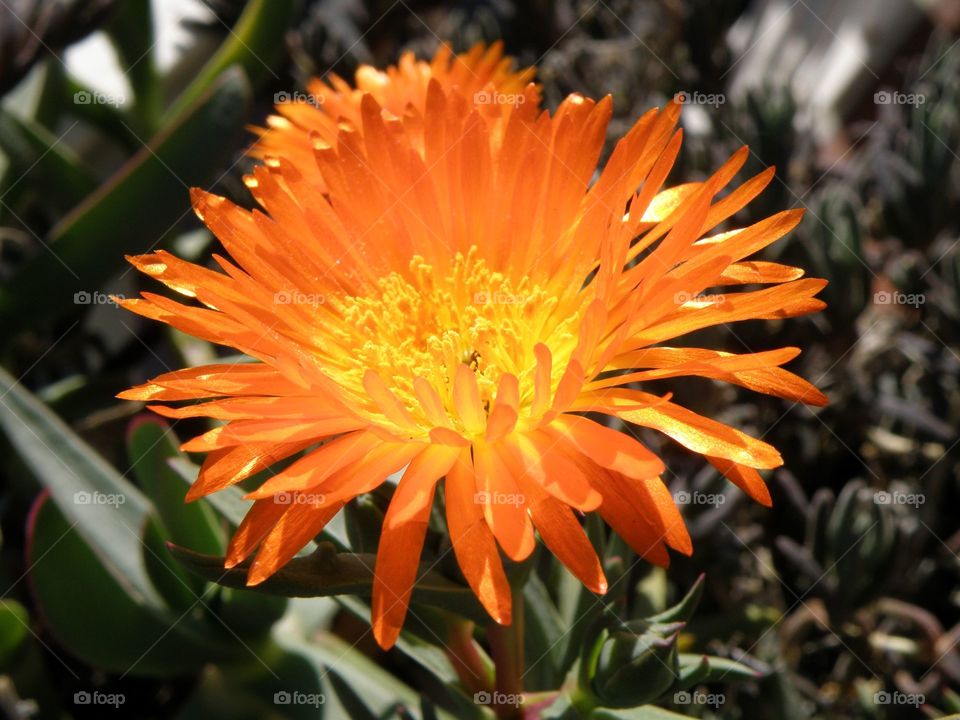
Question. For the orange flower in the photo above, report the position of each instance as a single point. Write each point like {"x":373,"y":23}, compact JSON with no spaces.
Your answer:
{"x":453,"y":312}
{"x":483,"y":75}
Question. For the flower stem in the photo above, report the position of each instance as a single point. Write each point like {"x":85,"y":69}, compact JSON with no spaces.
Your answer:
{"x":471,"y":663}
{"x":506,"y":648}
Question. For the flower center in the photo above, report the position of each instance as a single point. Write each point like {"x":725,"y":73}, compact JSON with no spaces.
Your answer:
{"x":425,"y":325}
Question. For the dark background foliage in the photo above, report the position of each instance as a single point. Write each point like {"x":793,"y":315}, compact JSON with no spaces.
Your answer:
{"x":850,"y":585}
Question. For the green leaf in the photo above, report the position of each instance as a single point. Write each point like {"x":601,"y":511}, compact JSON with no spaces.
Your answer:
{"x":107,"y":510}
{"x":132,"y":33}
{"x":39,"y":160}
{"x":644,"y":712}
{"x":134,"y":211}
{"x":179,"y":588}
{"x":717,"y":668}
{"x":423,"y":640}
{"x":327,"y":572}
{"x":254,"y":44}
{"x":151,"y":446}
{"x":14,"y":623}
{"x":683,"y":610}
{"x":380,"y":691}
{"x":543,"y":635}
{"x":92,"y":615}
{"x":696,"y":669}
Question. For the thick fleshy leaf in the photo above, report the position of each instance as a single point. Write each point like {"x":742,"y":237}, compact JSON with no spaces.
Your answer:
{"x":109,"y":512}
{"x":327,"y":572}
{"x":111,"y":629}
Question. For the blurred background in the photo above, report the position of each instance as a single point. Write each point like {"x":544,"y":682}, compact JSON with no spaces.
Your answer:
{"x":844,"y":597}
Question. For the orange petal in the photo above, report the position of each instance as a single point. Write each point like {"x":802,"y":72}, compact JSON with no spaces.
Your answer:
{"x":473,"y":543}
{"x":504,"y":506}
{"x":699,"y":433}
{"x":404,"y":528}
{"x":223,"y":468}
{"x":564,"y":536}
{"x":300,"y":524}
{"x":607,"y":447}
{"x":540,"y":457}
{"x":745,"y":478}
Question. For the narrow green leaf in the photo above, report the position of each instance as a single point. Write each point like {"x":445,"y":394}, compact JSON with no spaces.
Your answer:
{"x":39,"y":159}
{"x":327,"y":572}
{"x":644,"y":712}
{"x":381,"y":691}
{"x":107,"y":510}
{"x":136,"y":210}
{"x":254,"y":44}
{"x":683,"y":610}
{"x":151,"y":445}
{"x":132,"y":33}
{"x":720,"y":668}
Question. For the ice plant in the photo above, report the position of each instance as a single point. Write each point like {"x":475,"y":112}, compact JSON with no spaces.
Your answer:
{"x":451,"y":304}
{"x":483,"y":75}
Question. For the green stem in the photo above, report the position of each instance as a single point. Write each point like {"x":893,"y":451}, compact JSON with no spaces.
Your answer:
{"x":506,"y":648}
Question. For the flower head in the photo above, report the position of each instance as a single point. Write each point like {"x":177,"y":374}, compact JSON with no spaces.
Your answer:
{"x":452,"y":303}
